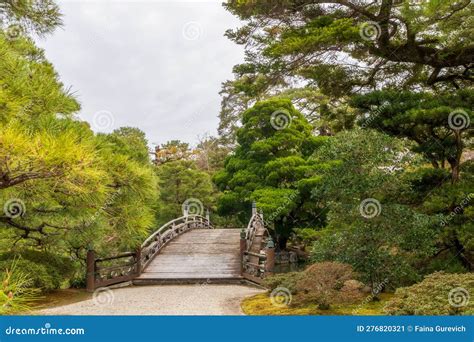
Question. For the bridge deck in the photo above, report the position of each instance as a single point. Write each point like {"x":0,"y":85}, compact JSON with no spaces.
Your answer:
{"x":199,"y":254}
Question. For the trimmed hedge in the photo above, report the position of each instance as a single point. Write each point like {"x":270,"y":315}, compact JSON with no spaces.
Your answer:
{"x":438,"y":294}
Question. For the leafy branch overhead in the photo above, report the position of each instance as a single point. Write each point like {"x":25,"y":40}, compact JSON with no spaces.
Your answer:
{"x":365,"y":43}
{"x":334,"y":49}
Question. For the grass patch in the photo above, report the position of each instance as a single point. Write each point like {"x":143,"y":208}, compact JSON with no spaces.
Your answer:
{"x":261,"y":305}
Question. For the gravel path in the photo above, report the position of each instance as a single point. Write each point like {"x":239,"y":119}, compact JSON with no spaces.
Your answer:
{"x":204,"y":299}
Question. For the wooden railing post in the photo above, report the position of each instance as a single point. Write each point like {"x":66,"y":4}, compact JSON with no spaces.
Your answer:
{"x":270,"y":253}
{"x":138,"y":259}
{"x":243,"y":247}
{"x":90,"y":275}
{"x":207,"y":215}
{"x":254,"y":208}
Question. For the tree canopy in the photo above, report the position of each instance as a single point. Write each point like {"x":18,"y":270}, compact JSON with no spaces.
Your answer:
{"x":270,"y":165}
{"x":62,"y":187}
{"x":35,"y":16}
{"x":389,"y":43}
{"x":335,"y":49}
{"x":438,"y":123}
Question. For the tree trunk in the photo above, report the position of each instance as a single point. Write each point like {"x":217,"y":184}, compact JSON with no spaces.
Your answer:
{"x":282,"y":240}
{"x":281,"y":235}
{"x":460,"y":254}
{"x":456,"y":161}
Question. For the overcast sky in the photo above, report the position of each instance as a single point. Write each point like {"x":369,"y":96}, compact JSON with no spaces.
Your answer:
{"x":151,"y":64}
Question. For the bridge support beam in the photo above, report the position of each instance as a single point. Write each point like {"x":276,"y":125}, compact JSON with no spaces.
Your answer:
{"x":138,"y":258}
{"x":270,"y":253}
{"x":90,"y":275}
{"x":243,"y":247}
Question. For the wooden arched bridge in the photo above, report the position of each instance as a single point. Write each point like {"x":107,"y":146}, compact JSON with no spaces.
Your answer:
{"x":190,"y":249}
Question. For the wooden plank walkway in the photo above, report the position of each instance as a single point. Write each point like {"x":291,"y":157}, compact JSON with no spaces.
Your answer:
{"x":197,"y":255}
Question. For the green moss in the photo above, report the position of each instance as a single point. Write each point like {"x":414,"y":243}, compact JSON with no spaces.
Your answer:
{"x":261,"y":305}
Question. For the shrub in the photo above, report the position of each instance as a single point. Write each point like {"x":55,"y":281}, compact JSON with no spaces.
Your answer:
{"x":286,"y":280}
{"x":328,"y":283}
{"x":47,"y":271}
{"x":438,"y":294}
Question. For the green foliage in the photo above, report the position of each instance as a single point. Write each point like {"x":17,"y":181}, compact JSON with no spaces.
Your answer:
{"x":453,"y":205}
{"x":16,"y":291}
{"x":438,"y":123}
{"x":286,"y":280}
{"x":40,"y":278}
{"x":46,"y":271}
{"x":289,"y":40}
{"x":438,"y":294}
{"x":270,"y":165}
{"x":65,"y":189}
{"x":335,"y":49}
{"x":307,"y":235}
{"x":181,"y":180}
{"x":173,"y":150}
{"x":131,"y":142}
{"x":368,"y":227}
{"x":38,"y":16}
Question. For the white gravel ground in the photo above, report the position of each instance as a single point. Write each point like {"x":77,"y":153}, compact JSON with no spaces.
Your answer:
{"x":204,"y":299}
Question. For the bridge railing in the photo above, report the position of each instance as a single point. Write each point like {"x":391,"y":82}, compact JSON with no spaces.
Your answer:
{"x":257,"y":249}
{"x":167,"y":232}
{"x":127,"y":266}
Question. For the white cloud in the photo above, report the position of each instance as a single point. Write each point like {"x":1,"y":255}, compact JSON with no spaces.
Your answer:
{"x":131,"y":58}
